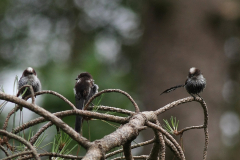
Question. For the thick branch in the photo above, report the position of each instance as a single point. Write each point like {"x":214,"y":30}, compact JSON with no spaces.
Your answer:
{"x":122,"y":135}
{"x":132,"y":147}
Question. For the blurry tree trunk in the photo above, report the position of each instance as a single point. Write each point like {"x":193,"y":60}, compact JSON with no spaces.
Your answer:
{"x":177,"y":36}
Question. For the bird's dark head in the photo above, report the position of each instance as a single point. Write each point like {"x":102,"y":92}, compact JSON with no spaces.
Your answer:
{"x":194,"y":72}
{"x":29,"y":71}
{"x":84,"y":75}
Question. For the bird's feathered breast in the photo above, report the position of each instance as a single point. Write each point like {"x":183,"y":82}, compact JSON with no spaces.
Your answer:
{"x":83,"y":87}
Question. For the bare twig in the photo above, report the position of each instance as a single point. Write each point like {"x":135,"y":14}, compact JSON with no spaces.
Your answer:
{"x":188,"y":128}
{"x":55,"y":94}
{"x":158,"y":149}
{"x":49,"y":116}
{"x":173,"y":104}
{"x":113,"y":90}
{"x":40,"y":131}
{"x":20,"y":139}
{"x":4,"y":150}
{"x":90,"y":114}
{"x":18,"y":107}
{"x":17,"y":154}
{"x":172,"y":147}
{"x":154,"y":126}
{"x":53,"y":155}
{"x":205,"y":111}
{"x":112,"y":109}
{"x":15,"y":109}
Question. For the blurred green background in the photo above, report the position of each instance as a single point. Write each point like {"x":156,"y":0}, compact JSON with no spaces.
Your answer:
{"x":141,"y":47}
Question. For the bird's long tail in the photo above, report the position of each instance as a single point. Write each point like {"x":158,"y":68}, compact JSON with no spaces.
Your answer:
{"x":78,"y":122}
{"x":172,"y":89}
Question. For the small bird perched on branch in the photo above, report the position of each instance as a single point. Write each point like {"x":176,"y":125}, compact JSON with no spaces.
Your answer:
{"x":84,"y":89}
{"x":194,"y":84}
{"x":29,"y":77}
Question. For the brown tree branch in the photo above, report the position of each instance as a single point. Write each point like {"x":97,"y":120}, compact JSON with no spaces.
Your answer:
{"x":85,"y":113}
{"x":18,"y":107}
{"x":20,"y":139}
{"x":163,"y":131}
{"x":113,"y":90}
{"x":132,"y":147}
{"x":122,"y":136}
{"x":49,"y":116}
{"x":172,"y":147}
{"x":205,"y":111}
{"x":4,"y":150}
{"x":158,"y":149}
{"x":15,"y":109}
{"x":189,"y":128}
{"x":173,"y":104}
{"x":125,"y":133}
{"x":112,"y":109}
{"x":40,"y":131}
{"x":53,"y":155}
{"x":55,"y":94}
{"x":17,"y":154}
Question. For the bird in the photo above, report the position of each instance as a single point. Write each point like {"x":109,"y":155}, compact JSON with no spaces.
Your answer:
{"x":194,"y":84}
{"x":84,"y":89}
{"x":29,"y":77}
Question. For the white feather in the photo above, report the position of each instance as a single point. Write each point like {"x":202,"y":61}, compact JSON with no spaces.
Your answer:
{"x":192,"y":70}
{"x":30,"y":69}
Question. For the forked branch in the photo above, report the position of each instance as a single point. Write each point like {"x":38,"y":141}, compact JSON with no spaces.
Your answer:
{"x":130,"y":128}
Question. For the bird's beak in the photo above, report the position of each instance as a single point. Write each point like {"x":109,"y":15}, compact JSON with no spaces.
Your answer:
{"x":77,"y":79}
